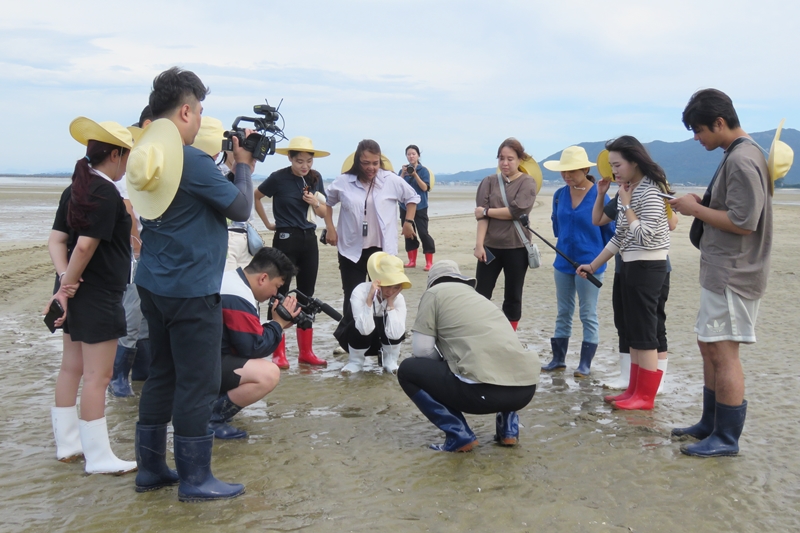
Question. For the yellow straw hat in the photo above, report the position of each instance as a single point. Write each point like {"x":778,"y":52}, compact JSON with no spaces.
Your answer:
{"x":84,"y":130}
{"x":572,"y":158}
{"x":209,"y":137}
{"x":348,"y":163}
{"x":388,"y":269}
{"x":781,"y":156}
{"x":154,"y":168}
{"x":604,"y":167}
{"x":301,"y":144}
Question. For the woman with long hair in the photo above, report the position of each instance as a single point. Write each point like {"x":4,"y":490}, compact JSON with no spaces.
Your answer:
{"x":498,"y":246}
{"x":419,"y":178}
{"x":642,"y":240}
{"x":91,"y":251}
{"x":367,"y":222}
{"x":581,"y":240}
{"x":298,"y":197}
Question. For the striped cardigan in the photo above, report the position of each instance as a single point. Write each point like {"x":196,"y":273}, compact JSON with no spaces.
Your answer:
{"x":647,"y":239}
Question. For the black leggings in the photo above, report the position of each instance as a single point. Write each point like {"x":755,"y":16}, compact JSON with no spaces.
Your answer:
{"x":421,"y":223}
{"x":301,"y":249}
{"x":353,"y":274}
{"x":434,"y":377}
{"x":374,"y":340}
{"x":514,"y":264}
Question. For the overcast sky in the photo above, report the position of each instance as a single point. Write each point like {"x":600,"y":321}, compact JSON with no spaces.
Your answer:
{"x":454,"y":77}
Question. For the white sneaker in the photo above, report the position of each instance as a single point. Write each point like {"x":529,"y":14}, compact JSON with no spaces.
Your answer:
{"x":391,"y":352}
{"x":97,"y":450}
{"x":355,"y":362}
{"x":65,"y":429}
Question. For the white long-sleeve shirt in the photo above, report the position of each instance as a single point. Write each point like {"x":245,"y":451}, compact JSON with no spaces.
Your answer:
{"x":394,"y":320}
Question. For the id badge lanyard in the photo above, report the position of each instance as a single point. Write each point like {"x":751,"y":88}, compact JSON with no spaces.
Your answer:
{"x":364,"y":224}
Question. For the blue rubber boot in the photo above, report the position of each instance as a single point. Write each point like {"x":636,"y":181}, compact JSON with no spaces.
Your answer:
{"x":151,"y":458}
{"x":141,"y":363}
{"x":119,"y":385}
{"x":702,"y":429}
{"x":507,"y":428}
{"x":458,"y":436}
{"x":222,"y":411}
{"x":724,"y":440}
{"x":587,"y":354}
{"x":559,"y":346}
{"x":197,"y":483}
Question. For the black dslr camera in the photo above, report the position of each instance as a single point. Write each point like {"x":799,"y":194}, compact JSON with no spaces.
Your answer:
{"x":309,"y":308}
{"x":260,"y":144}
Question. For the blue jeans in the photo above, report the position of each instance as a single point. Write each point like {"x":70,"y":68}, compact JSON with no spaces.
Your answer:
{"x":566,"y":287}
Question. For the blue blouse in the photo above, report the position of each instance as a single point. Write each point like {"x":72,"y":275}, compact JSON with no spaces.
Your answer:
{"x":578,"y":238}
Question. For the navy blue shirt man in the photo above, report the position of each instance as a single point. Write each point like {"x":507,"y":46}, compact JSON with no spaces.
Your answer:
{"x":179,"y":277}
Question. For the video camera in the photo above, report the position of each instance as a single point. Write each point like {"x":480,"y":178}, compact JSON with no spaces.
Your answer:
{"x":309,"y":308}
{"x":260,"y":144}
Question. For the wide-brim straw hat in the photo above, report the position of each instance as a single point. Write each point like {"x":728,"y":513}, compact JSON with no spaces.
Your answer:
{"x":604,"y":166}
{"x":301,"y":144}
{"x":85,"y":129}
{"x":781,"y":156}
{"x":388,"y":269}
{"x":572,"y":158}
{"x":531,"y":168}
{"x":154,"y":168}
{"x":350,"y":159}
{"x":210,"y":136}
{"x":448,"y":269}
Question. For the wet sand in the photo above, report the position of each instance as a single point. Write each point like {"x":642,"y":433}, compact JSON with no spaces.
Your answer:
{"x":334,"y":453}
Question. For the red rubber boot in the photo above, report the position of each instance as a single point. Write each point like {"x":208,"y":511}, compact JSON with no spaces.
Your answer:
{"x":305,"y":340}
{"x":412,"y":259}
{"x":644,"y":397}
{"x":279,"y":355}
{"x":631,"y":387}
{"x":428,"y":262}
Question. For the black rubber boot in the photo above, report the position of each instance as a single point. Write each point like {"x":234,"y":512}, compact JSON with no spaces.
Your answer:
{"x":587,"y":354}
{"x":119,"y":385}
{"x":559,"y":346}
{"x":197,"y":483}
{"x":151,"y":458}
{"x":222,"y":411}
{"x":724,"y":440}
{"x":141,"y":363}
{"x":702,"y":429}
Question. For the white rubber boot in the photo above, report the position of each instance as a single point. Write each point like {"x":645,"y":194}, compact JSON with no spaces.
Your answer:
{"x":355,"y":363}
{"x":662,"y":365}
{"x":65,"y":429}
{"x":391,"y":352}
{"x":97,"y":450}
{"x":622,"y":382}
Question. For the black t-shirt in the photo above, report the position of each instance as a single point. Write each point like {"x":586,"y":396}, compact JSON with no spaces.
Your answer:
{"x":110,"y":266}
{"x":288,"y":206}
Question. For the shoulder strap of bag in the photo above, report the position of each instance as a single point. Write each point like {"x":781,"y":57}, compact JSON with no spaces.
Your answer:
{"x":733,"y":145}
{"x":517,"y":225}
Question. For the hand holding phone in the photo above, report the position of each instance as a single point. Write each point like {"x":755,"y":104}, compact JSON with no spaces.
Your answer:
{"x":53,"y":313}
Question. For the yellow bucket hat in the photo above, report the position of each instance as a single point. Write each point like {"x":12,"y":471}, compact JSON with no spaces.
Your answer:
{"x":302,"y":144}
{"x":348,"y":162}
{"x":84,"y":130}
{"x":572,"y":158}
{"x":154,"y":168}
{"x":388,"y":269}
{"x":781,"y":156}
{"x":209,"y":137}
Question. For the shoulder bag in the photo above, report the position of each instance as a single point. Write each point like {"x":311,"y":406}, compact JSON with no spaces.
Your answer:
{"x":534,"y":257}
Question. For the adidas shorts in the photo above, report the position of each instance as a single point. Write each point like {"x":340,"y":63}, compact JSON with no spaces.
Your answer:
{"x":726,"y":317}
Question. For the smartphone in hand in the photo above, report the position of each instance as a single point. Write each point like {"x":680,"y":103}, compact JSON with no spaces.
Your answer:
{"x":489,"y":255}
{"x":54,"y":313}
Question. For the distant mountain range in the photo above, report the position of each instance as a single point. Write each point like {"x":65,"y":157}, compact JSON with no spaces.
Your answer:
{"x":685,"y":162}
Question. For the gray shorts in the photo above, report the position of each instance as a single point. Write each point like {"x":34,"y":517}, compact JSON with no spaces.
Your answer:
{"x":726,"y":317}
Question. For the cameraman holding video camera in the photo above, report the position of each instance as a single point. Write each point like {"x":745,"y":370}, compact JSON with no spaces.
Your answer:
{"x":246,"y":376}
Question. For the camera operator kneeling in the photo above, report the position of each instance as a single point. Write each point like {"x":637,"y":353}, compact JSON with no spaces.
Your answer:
{"x":246,"y":375}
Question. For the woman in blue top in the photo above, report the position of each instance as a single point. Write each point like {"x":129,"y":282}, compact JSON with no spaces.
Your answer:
{"x":580,"y":240}
{"x":420,"y":180}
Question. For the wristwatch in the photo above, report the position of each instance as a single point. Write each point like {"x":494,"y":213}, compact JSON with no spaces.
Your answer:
{"x":409,"y":220}
{"x":485,"y":212}
{"x":625,"y":207}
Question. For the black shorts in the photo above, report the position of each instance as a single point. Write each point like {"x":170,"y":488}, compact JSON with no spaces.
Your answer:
{"x":95,"y":315}
{"x":642,"y":282}
{"x":230,"y":379}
